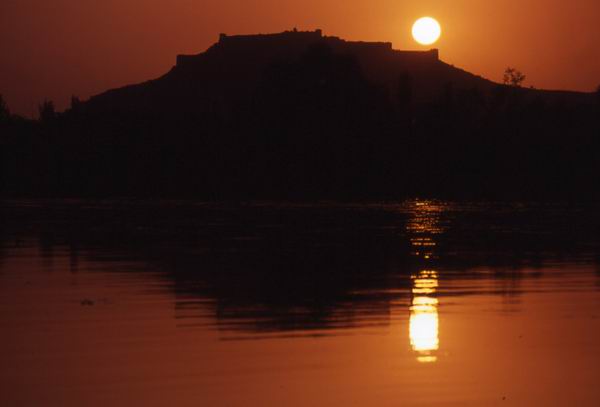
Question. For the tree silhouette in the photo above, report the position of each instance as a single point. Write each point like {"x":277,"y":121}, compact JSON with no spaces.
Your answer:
{"x":4,"y":112}
{"x":75,"y":102}
{"x":513,"y":77}
{"x":76,"y":105}
{"x":47,"y":111}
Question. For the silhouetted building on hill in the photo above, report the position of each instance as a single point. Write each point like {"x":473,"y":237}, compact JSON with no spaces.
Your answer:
{"x":294,"y":35}
{"x":294,"y":42}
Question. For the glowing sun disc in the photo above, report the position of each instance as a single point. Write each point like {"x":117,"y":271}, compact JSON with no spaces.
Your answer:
{"x":426,"y":31}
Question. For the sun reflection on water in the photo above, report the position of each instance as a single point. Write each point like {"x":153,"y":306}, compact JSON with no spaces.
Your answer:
{"x":423,"y":226}
{"x":424,"y":319}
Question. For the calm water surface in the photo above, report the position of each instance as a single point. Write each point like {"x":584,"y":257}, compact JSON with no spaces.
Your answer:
{"x":416,"y":303}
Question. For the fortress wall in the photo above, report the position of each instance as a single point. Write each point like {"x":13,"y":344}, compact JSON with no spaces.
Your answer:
{"x":304,"y":36}
{"x":425,"y":56}
{"x":358,"y":46}
{"x":292,"y":42}
{"x":248,"y":44}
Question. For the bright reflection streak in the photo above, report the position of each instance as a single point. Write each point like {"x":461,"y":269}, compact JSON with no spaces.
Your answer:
{"x":424,"y":319}
{"x":423,"y":226}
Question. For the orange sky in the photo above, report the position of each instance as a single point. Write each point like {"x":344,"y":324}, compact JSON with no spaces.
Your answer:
{"x":60,"y":48}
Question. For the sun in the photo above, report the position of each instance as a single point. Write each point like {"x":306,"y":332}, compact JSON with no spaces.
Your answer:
{"x":426,"y":31}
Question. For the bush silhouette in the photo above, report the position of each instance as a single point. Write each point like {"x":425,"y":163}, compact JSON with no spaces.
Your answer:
{"x":513,"y":77}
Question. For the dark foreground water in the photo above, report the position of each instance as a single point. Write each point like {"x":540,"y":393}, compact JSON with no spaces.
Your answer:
{"x":417,"y":303}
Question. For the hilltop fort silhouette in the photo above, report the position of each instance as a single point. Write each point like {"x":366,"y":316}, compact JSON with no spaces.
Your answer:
{"x":301,"y":115}
{"x":232,"y":68}
{"x":290,"y":43}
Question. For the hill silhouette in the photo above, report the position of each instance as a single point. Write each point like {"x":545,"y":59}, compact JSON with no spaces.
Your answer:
{"x":299,"y":115}
{"x":232,"y":69}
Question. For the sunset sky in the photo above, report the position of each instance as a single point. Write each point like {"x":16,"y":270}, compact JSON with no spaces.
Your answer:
{"x":55,"y":49}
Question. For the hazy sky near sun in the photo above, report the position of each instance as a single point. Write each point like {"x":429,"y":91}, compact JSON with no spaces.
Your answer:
{"x":55,"y":49}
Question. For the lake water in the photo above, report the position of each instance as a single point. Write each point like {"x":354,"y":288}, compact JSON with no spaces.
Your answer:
{"x":418,"y":303}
